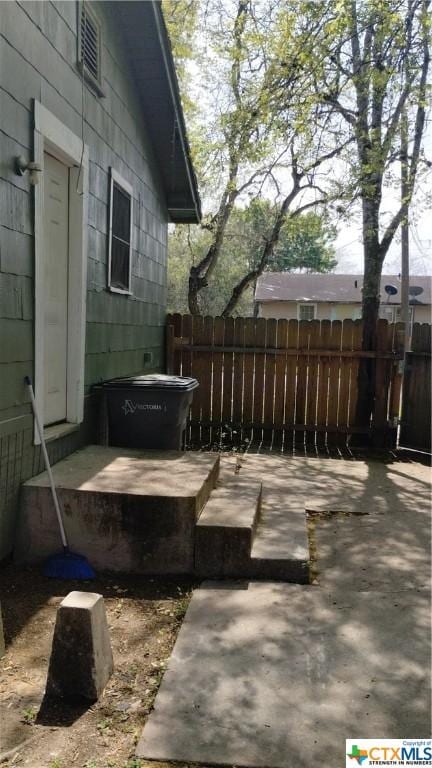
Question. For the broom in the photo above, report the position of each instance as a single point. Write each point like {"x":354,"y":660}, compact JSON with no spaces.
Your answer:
{"x":66,"y":564}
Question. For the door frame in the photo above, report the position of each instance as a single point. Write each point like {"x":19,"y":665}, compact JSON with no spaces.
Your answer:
{"x":52,"y":136}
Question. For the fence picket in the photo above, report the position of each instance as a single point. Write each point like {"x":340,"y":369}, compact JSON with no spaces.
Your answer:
{"x":291,"y":383}
{"x":184,"y":361}
{"x":249,"y":361}
{"x":280,"y":384}
{"x":259,"y":380}
{"x":269,"y":387}
{"x":334,"y":381}
{"x":323,"y":384}
{"x":206,"y":363}
{"x":382,"y":372}
{"x":228,"y":365}
{"x":302,"y":371}
{"x":217,"y":388}
{"x":198,"y":362}
{"x":312,"y":387}
{"x":237,"y":406}
{"x":345,"y":373}
{"x":353,"y":395}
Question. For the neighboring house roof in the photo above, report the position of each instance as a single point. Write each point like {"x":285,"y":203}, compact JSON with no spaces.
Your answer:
{"x":149,"y":52}
{"x":334,"y":288}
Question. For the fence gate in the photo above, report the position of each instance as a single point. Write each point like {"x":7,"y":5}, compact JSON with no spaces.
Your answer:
{"x":416,"y":397}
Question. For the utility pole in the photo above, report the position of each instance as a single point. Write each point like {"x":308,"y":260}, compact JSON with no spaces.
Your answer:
{"x":405,"y":230}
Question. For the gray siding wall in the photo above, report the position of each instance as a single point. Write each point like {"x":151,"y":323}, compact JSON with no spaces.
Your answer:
{"x":38,"y":60}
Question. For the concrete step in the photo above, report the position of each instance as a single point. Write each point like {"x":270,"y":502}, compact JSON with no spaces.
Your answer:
{"x":225,"y":530}
{"x":125,"y":510}
{"x":280,"y":551}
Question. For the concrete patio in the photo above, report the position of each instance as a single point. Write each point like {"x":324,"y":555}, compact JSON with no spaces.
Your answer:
{"x":280,"y":675}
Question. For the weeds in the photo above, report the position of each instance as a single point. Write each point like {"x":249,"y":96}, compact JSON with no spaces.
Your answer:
{"x":104,"y":725}
{"x":29,"y":715}
{"x":181,"y":608}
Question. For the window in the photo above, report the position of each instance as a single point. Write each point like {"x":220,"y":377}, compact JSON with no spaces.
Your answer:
{"x":89,"y":46}
{"x":393,"y":314}
{"x":386,"y":313}
{"x":306,"y":311}
{"x":120,"y":234}
{"x":398,"y":313}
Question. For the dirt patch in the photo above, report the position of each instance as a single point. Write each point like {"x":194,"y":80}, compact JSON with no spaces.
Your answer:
{"x":144,"y":616}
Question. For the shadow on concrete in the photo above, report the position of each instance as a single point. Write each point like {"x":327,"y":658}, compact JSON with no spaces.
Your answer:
{"x":284,"y":676}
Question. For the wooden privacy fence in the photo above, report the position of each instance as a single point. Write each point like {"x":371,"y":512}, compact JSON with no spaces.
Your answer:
{"x":416,"y":400}
{"x":282,"y":381}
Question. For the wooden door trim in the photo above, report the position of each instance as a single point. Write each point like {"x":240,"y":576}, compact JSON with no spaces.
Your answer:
{"x":52,"y":136}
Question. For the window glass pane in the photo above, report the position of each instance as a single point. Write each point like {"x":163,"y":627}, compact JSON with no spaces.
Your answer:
{"x":121,"y":214}
{"x":120,"y":254}
{"x":307,"y":312}
{"x":386,"y":313}
{"x":399,"y":312}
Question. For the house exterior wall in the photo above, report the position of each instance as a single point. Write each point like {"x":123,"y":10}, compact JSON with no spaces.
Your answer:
{"x":327,"y":311}
{"x":124,"y":334}
{"x":289,"y":310}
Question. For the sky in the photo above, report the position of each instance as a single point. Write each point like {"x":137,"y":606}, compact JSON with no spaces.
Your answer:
{"x":349,"y":252}
{"x":348,"y":245}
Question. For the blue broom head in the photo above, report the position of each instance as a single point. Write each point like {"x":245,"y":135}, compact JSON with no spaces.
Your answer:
{"x":68,"y":565}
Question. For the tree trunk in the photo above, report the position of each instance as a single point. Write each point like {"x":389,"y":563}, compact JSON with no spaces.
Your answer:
{"x":194,"y":288}
{"x":373,"y":262}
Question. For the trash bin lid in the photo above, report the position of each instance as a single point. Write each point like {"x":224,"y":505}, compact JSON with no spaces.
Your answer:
{"x":154,"y":381}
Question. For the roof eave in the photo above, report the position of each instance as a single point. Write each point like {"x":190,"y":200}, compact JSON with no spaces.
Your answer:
{"x":192,"y":214}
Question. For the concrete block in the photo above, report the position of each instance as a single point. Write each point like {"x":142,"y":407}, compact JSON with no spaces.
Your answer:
{"x":81,"y":660}
{"x":280,"y":551}
{"x":225,"y":530}
{"x":125,"y":510}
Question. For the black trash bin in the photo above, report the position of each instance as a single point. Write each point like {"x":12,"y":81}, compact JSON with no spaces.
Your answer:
{"x":148,"y":411}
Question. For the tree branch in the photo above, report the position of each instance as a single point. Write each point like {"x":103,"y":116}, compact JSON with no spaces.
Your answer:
{"x":418,"y":134}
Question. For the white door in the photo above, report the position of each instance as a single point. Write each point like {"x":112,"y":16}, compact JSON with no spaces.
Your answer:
{"x":56,"y":262}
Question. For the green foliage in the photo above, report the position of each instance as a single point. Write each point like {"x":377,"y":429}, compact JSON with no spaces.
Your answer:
{"x":29,"y":715}
{"x":306,"y":243}
{"x":181,"y":21}
{"x":56,"y":763}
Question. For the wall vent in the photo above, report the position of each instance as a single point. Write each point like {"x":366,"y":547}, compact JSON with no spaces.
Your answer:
{"x":90,"y":43}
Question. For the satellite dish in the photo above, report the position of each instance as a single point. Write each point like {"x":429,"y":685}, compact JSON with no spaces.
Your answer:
{"x":391,"y":290}
{"x":415,"y":290}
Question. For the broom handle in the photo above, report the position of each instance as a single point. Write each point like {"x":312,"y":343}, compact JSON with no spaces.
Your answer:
{"x":47,"y":463}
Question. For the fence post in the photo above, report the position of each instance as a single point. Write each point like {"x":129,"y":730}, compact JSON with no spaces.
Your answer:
{"x":169,"y":349}
{"x":382,"y":385}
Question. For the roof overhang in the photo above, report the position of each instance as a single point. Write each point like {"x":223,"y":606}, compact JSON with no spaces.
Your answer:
{"x":149,"y":51}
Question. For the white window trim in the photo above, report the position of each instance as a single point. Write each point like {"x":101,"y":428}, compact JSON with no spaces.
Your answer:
{"x":306,"y":304}
{"x":51,"y":135}
{"x":123,"y":184}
